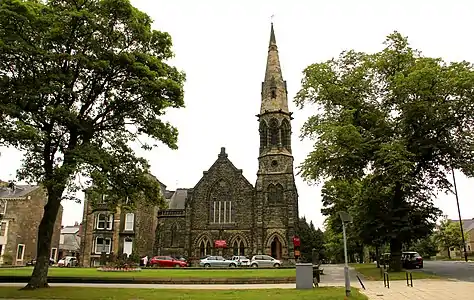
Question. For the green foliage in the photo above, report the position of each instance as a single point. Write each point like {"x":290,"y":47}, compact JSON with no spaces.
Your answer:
{"x":388,"y":127}
{"x":311,"y":238}
{"x":449,"y":235}
{"x":426,"y":247}
{"x":82,"y":81}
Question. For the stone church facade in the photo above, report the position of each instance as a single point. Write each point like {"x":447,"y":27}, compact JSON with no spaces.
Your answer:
{"x":224,"y":214}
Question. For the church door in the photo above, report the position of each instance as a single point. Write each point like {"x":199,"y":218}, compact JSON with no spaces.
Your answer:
{"x":276,"y":248}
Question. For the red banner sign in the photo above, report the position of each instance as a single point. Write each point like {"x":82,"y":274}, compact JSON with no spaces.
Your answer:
{"x":220,"y":244}
{"x":296,"y":241}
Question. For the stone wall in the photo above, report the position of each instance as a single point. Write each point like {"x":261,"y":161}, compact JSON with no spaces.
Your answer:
{"x":23,"y":217}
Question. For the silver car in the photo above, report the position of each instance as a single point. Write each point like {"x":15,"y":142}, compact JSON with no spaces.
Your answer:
{"x":264,"y":261}
{"x":217,"y":261}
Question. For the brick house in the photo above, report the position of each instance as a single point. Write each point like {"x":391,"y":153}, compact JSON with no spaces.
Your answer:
{"x":224,"y":214}
{"x":21,"y":210}
{"x":116,"y":232}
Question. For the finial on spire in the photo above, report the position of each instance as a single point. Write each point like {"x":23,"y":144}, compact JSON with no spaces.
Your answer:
{"x":272,"y":35}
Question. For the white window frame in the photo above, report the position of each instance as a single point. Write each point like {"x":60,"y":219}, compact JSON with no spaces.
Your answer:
{"x":125,"y":241}
{"x":220,"y":207}
{"x":230,"y":211}
{"x":129,"y":221}
{"x":108,"y":222}
{"x":222,"y":212}
{"x":104,"y":239}
{"x":99,"y":221}
{"x":22,"y":253}
{"x":53,"y":257}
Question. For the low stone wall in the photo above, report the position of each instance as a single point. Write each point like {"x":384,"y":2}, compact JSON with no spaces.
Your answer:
{"x":55,"y":279}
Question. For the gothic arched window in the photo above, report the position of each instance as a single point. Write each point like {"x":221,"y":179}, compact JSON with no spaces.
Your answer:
{"x":274,"y":138}
{"x":263,"y":134}
{"x":239,"y":248}
{"x":286,"y":134}
{"x":275,"y":193}
{"x":205,"y":248}
{"x":173,"y":236}
{"x":279,"y":193}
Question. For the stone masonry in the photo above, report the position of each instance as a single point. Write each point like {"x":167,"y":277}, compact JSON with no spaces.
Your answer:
{"x":224,"y":214}
{"x":21,"y":210}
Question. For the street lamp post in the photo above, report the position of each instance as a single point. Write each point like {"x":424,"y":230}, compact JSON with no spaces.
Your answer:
{"x":459,"y":214}
{"x":346,"y":218}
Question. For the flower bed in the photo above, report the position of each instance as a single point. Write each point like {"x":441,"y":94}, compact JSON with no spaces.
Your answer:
{"x":116,"y":269}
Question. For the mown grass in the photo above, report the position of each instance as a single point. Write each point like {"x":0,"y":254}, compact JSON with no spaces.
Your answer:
{"x":371,"y":272}
{"x":156,"y":273}
{"x":77,"y":293}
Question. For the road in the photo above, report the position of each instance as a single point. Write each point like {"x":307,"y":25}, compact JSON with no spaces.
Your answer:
{"x":459,"y":270}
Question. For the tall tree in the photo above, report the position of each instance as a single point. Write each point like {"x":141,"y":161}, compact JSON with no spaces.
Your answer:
{"x":82,"y":80}
{"x":311,"y":238}
{"x":396,"y":120}
{"x":448,"y":235}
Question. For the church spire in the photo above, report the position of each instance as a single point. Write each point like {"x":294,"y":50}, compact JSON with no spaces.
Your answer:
{"x":274,"y":93}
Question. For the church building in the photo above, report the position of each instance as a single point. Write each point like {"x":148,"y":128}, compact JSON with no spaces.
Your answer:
{"x":224,"y":214}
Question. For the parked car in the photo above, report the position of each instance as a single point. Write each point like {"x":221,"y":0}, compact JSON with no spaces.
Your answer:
{"x":412,"y":260}
{"x":242,"y":261}
{"x":217,"y":261}
{"x":33,"y":262}
{"x":264,"y":261}
{"x":68,"y":261}
{"x":167,"y":261}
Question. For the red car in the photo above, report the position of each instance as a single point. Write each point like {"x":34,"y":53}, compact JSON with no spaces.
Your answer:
{"x":167,"y":262}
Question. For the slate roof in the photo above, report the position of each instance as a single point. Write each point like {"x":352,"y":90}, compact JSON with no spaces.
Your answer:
{"x":468,"y":224}
{"x":70,"y":230}
{"x":178,"y":200}
{"x":71,"y":240}
{"x":18,"y":192}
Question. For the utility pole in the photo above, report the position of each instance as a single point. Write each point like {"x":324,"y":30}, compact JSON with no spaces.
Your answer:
{"x":346,"y":218}
{"x":459,"y":213}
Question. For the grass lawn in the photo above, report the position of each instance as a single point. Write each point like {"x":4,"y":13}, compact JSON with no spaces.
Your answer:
{"x":75,"y":293}
{"x":371,"y":272}
{"x":155,"y":273}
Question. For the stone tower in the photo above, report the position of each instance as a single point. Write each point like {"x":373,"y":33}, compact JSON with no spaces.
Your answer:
{"x":276,"y":195}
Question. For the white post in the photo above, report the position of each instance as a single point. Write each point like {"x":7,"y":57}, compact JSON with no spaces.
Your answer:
{"x":346,"y":266}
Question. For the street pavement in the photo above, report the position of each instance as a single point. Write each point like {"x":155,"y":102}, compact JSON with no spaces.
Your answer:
{"x":334,"y":276}
{"x":459,"y":270}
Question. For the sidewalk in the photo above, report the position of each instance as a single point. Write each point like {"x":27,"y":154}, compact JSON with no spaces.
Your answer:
{"x":422,"y":290}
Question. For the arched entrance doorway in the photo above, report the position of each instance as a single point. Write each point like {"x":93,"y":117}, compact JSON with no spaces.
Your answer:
{"x":276,"y":248}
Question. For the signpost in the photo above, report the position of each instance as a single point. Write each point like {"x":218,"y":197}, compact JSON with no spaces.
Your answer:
{"x":345,"y":218}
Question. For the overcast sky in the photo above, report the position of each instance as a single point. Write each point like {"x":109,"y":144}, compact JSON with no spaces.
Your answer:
{"x":222,"y":47}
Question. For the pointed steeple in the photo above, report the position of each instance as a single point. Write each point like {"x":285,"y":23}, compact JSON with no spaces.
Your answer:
{"x":274,"y":93}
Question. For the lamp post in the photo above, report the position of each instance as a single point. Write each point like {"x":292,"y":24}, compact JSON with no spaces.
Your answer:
{"x":459,"y":214}
{"x":345,"y":218}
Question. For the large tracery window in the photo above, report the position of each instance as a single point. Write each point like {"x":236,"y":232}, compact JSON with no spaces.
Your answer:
{"x":221,"y":203}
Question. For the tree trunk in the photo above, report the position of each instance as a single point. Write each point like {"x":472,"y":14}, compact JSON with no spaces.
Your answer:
{"x":377,"y":256}
{"x":39,"y":278}
{"x":395,"y":255}
{"x":449,"y":253}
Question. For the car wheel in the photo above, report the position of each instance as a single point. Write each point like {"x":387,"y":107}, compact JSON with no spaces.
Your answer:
{"x":254,"y":266}
{"x":232,"y":266}
{"x":177,"y":266}
{"x":207,"y":266}
{"x":276,"y":265}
